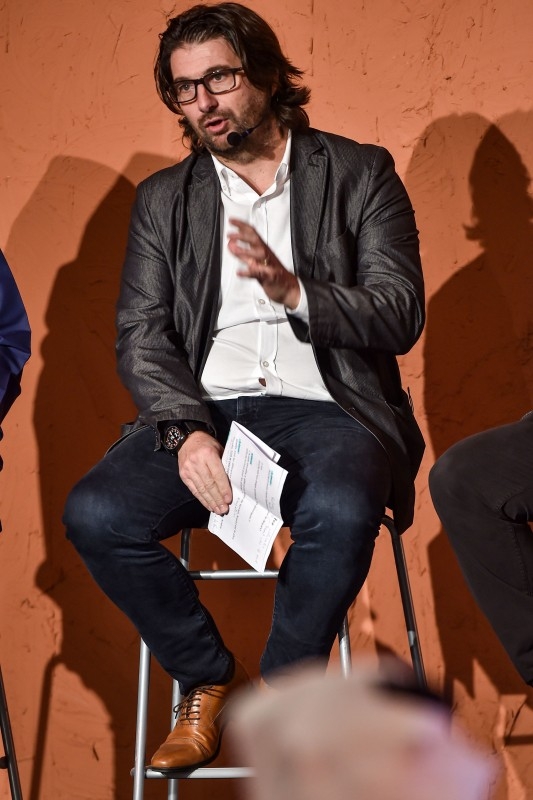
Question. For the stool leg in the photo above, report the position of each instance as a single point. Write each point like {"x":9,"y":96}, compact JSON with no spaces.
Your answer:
{"x":142,"y":721}
{"x":185,"y":552}
{"x":9,"y":761}
{"x":345,"y":649}
{"x":407,"y":602}
{"x":172,"y":791}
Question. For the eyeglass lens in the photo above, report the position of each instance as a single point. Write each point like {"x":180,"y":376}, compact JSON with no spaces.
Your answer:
{"x":223,"y":80}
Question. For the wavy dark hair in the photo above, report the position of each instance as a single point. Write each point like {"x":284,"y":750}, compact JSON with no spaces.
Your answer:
{"x":257,"y":46}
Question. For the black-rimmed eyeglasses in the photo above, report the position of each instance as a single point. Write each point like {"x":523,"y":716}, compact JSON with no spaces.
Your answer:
{"x":219,"y":81}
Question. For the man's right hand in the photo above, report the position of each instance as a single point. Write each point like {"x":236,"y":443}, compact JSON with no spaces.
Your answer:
{"x":201,"y":470}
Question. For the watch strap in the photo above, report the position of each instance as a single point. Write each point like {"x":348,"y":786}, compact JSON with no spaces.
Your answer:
{"x":175,"y":433}
{"x":192,"y":425}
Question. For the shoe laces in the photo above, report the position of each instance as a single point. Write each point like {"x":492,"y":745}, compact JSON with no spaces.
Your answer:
{"x":188,"y":710}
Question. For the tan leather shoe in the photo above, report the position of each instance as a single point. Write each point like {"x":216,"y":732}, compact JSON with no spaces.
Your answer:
{"x":196,"y":737}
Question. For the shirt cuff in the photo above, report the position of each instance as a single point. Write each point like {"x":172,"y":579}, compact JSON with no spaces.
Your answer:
{"x":302,"y":309}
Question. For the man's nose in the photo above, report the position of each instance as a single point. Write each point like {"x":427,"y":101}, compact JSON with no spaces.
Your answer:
{"x":205,"y":100}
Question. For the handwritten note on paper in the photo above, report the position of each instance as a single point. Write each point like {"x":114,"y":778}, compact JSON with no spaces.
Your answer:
{"x":254,"y":517}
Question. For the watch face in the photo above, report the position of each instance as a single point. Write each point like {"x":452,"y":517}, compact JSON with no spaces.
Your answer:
{"x":173,"y":438}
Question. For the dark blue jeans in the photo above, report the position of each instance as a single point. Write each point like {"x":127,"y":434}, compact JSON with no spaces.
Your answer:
{"x":482,"y":489}
{"x":333,"y":500}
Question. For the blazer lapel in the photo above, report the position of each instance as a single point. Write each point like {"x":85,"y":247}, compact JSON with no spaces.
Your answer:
{"x":203,"y":216}
{"x":308,"y":195}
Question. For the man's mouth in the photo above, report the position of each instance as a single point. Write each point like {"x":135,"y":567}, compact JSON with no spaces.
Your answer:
{"x":216,"y":125}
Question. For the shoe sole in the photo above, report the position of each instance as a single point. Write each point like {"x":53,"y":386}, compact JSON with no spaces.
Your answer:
{"x":188,"y":767}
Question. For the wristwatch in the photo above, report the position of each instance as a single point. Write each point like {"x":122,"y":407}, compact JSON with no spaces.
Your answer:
{"x":175,"y":434}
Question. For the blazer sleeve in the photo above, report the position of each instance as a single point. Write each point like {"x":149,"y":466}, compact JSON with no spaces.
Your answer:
{"x":378,"y":302}
{"x":151,"y":358}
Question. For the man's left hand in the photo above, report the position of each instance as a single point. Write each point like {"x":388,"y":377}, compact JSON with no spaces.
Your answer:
{"x":278,"y":283}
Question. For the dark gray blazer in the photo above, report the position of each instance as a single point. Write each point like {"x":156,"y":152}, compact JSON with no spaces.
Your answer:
{"x":355,"y":247}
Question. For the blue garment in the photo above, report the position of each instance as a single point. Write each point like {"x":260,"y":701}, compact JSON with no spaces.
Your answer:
{"x":14,"y":338}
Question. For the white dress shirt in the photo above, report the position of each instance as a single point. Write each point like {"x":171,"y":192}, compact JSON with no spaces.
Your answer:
{"x":254,"y":350}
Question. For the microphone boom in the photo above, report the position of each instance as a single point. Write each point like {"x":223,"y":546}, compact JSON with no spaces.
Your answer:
{"x":234,"y":138}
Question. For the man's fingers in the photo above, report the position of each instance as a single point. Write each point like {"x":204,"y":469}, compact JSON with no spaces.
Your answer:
{"x":258,"y":253}
{"x":279,"y":284}
{"x":246,"y":243}
{"x":201,"y":470}
{"x":214,"y":496}
{"x":209,"y":495}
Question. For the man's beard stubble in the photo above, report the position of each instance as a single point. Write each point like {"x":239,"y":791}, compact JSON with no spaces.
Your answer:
{"x":256,"y":114}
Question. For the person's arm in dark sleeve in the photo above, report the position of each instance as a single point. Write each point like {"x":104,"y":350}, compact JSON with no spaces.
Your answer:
{"x":152,"y":361}
{"x":383,"y":310}
{"x":14,"y":338}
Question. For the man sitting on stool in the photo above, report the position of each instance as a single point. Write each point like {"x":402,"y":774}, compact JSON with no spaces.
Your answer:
{"x":271,"y":278}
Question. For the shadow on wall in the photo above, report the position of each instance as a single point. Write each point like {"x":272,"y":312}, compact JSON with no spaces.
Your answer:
{"x":79,"y":408}
{"x":478,"y":354}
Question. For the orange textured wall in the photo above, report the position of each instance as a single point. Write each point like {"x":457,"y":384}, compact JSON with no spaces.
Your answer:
{"x":447,"y":88}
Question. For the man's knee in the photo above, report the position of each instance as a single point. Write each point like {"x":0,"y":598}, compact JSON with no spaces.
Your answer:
{"x":88,"y":516}
{"x":331,"y":510}
{"x":345,"y":524}
{"x":441,"y":476}
{"x":456,"y":482}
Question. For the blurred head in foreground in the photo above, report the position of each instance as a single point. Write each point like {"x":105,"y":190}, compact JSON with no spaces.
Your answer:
{"x":370,"y":737}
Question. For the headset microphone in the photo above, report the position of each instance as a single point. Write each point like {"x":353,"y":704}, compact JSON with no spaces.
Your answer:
{"x":234,"y":138}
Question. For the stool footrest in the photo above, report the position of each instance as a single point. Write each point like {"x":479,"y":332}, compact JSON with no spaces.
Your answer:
{"x":201,"y":772}
{"x":230,"y":574}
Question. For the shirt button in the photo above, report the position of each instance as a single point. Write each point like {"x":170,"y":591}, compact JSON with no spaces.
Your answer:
{"x":265,"y":363}
{"x":261,"y":302}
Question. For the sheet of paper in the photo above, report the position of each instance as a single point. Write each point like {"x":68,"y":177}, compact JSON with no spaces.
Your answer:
{"x":254,"y":517}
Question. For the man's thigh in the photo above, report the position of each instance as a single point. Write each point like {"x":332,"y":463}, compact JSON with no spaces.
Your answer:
{"x":336,"y":466}
{"x":138,"y":487}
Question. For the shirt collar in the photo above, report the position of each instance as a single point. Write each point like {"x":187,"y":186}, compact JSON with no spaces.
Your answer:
{"x":230,"y":182}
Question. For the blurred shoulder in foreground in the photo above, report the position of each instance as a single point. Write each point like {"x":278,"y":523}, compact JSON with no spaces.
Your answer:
{"x":372,"y":736}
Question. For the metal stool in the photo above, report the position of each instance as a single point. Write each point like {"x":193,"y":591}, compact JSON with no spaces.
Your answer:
{"x":141,"y":772}
{"x":8,"y":761}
